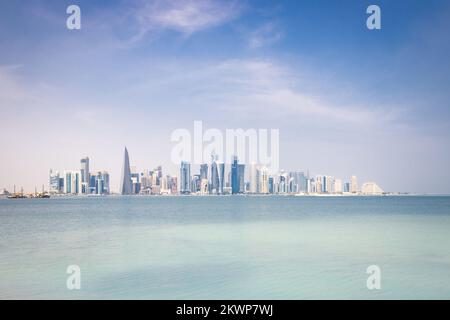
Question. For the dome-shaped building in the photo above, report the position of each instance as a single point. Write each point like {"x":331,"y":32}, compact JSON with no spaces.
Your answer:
{"x":371,"y":188}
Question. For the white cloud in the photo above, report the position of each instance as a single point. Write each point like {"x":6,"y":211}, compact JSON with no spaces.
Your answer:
{"x":9,"y":87}
{"x":263,"y":87}
{"x":184,"y":16}
{"x":265,"y":35}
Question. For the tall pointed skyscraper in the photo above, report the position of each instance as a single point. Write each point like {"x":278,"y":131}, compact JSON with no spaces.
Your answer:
{"x":126,"y":186}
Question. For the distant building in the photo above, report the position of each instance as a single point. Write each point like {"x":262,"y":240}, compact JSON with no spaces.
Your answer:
{"x":353,"y":184}
{"x":283,"y":182}
{"x":196,"y":183}
{"x":347,"y":187}
{"x":328,"y":184}
{"x":101,"y":183}
{"x":174,"y":185}
{"x":185,"y":178}
{"x":85,"y":175}
{"x":263,"y":180}
{"x":72,"y":182}
{"x":136,"y":182}
{"x":126,"y":186}
{"x":92,"y":188}
{"x":204,"y":187}
{"x":55,"y":182}
{"x":241,"y":177}
{"x":253,"y":180}
{"x":319,"y":184}
{"x":235,"y":183}
{"x":204,"y":171}
{"x":371,"y":188}
{"x":271,"y":185}
{"x":338,"y":186}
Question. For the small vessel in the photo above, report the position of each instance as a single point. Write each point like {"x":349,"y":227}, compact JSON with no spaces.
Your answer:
{"x":17,"y":195}
{"x":40,"y":195}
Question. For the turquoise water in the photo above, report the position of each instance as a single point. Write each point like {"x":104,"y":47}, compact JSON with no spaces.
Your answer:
{"x":225,"y":247}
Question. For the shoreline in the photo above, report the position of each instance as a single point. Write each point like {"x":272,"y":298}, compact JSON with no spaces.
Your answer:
{"x":64,"y":196}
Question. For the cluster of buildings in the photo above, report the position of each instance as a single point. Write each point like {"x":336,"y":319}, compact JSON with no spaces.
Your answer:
{"x":214,"y":179}
{"x":211,"y":179}
{"x":80,"y":181}
{"x":147,"y":182}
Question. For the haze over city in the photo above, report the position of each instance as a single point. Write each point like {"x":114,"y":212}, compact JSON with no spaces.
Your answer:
{"x":346,"y":100}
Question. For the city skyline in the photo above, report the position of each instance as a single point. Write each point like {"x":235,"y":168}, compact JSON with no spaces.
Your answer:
{"x":214,"y":178}
{"x":346,"y":99}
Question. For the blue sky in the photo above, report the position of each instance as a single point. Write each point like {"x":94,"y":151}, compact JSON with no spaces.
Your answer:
{"x":347,"y":100}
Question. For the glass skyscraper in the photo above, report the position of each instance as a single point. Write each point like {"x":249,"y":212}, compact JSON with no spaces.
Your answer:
{"x":126,"y":186}
{"x":85,"y":178}
{"x":235,"y":176}
{"x":185,"y":178}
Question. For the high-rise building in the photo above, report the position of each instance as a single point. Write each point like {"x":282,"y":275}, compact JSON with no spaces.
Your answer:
{"x":297,"y":182}
{"x":253,"y":179}
{"x":92,"y":187}
{"x":204,"y":188}
{"x":55,"y":182}
{"x":159,"y":175}
{"x":106,"y":187}
{"x":329,"y":184}
{"x":241,"y":177}
{"x":196,"y":183}
{"x":217,"y":175}
{"x":174,"y":185}
{"x":126,"y":186}
{"x":99,"y":183}
{"x":310,"y":186}
{"x":319,"y":184}
{"x":185,"y":178}
{"x":347,"y":187}
{"x":85,"y":175}
{"x":283,"y":182}
{"x":72,"y":182}
{"x":221,"y":175}
{"x":135,"y":180}
{"x":204,"y":171}
{"x":263,"y":180}
{"x":353,"y":184}
{"x":338,"y":186}
{"x":302,"y":182}
{"x":235,"y":183}
{"x":271,"y":185}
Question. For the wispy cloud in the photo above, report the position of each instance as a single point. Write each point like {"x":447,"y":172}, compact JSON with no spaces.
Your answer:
{"x":267,"y":88}
{"x":265,"y":35}
{"x":184,"y":16}
{"x":263,"y":88}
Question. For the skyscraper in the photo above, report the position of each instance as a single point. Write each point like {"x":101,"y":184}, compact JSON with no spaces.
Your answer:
{"x":85,"y":175}
{"x":338,"y":186}
{"x":185,"y":178}
{"x":241,"y":177}
{"x":126,"y":186}
{"x":217,"y":175}
{"x":235,"y":176}
{"x":55,"y":182}
{"x":72,"y":182}
{"x":353,"y":184}
{"x":221,"y":175}
{"x":106,"y":188}
{"x":204,"y":171}
{"x":263,"y":180}
{"x":253,"y":179}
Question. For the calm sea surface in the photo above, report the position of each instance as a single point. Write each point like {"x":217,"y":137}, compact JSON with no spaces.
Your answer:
{"x":225,"y":247}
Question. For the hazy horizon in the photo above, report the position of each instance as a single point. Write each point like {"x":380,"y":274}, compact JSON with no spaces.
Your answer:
{"x":347,"y":100}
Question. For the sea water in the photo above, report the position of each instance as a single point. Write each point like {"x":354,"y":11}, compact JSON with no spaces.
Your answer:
{"x":225,"y":247}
